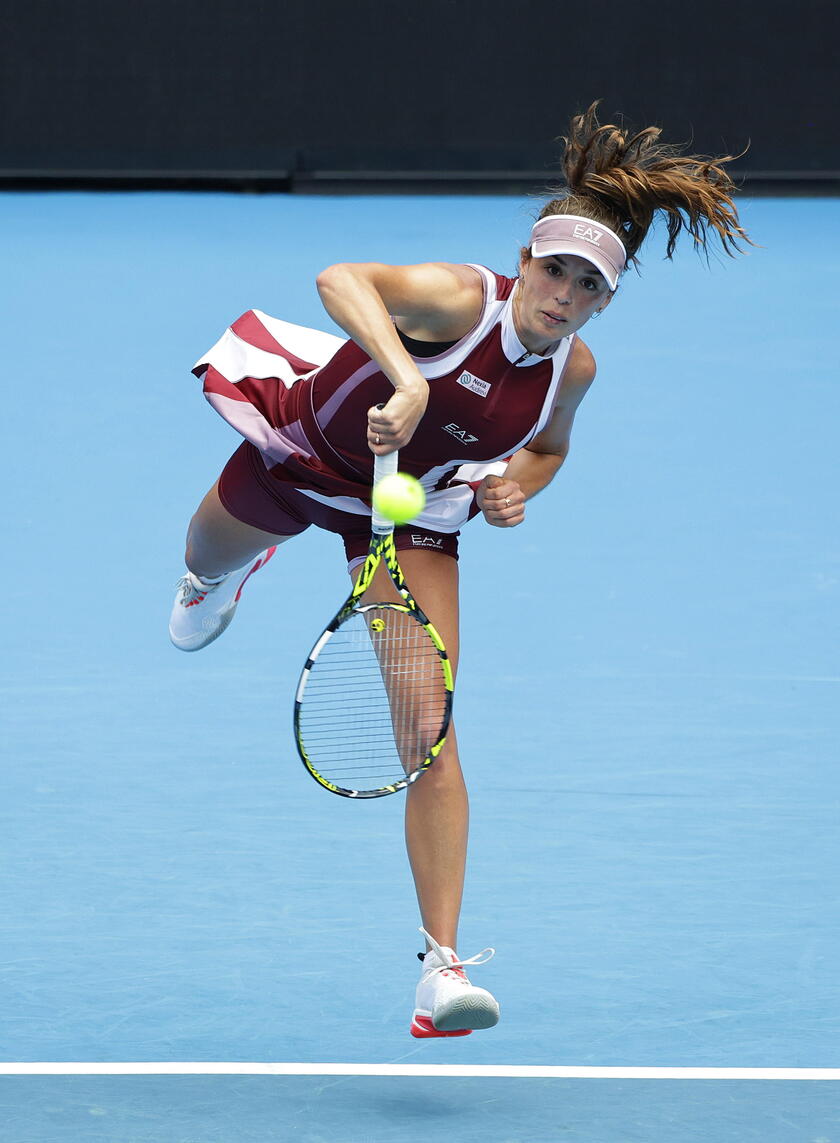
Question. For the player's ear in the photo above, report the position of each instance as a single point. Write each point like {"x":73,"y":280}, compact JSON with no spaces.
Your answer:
{"x":602,"y":305}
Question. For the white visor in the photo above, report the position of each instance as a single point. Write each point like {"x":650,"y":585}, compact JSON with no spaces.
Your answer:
{"x":574,"y":234}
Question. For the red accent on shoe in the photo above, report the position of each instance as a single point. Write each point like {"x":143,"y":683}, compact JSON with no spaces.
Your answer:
{"x":423,"y":1028}
{"x":259,"y":564}
{"x":454,"y":972}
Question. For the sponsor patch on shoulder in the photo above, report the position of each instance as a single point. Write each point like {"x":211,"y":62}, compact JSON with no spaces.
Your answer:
{"x":474,"y":384}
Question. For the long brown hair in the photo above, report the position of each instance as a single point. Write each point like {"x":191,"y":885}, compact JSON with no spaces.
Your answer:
{"x":622,"y":179}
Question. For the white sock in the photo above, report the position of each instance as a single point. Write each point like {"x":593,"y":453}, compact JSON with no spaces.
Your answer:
{"x":211,"y":581}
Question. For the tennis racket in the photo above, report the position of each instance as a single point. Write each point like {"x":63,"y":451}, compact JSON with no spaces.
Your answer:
{"x":374,"y":700}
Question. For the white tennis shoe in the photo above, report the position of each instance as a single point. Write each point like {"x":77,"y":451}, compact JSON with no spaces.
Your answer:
{"x":446,"y":1003}
{"x":202,"y":611}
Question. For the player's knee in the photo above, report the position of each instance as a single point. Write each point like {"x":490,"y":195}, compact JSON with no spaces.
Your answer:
{"x":418,"y":733}
{"x":445,"y":771}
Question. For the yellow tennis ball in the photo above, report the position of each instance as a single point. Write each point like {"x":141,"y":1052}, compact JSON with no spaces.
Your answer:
{"x":399,"y":497}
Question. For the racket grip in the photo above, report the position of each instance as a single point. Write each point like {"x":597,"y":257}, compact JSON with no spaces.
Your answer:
{"x":383,"y":466}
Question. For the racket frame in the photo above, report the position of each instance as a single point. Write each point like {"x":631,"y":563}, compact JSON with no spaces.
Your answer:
{"x":381,"y":551}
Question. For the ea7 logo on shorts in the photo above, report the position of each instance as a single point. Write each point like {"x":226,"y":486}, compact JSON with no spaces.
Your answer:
{"x":463,"y":436}
{"x":588,"y":234}
{"x":419,"y":541}
{"x":474,"y":384}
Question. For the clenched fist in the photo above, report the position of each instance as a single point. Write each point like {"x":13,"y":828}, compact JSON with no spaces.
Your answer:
{"x":392,"y":424}
{"x":502,"y":501}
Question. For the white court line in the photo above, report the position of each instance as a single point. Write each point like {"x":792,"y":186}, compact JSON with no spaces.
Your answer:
{"x":477,"y":1071}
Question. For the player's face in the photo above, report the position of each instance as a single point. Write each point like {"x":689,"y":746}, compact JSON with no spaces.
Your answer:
{"x":556,"y":296}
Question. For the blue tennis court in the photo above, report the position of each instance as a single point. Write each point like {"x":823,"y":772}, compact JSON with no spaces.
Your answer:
{"x":647,"y":707}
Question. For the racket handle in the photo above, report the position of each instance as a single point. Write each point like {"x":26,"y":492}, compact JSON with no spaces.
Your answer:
{"x":383,"y":466}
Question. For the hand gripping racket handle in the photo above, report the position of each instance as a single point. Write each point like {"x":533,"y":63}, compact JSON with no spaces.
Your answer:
{"x":383,"y":466}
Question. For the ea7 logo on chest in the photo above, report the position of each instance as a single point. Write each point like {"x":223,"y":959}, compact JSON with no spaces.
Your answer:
{"x":588,"y":234}
{"x":463,"y":436}
{"x":474,"y":384}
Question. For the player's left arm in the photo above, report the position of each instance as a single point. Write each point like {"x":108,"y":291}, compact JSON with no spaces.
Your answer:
{"x":502,"y":498}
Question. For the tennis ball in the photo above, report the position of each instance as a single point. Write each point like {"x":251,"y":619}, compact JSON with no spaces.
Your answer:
{"x":399,"y":497}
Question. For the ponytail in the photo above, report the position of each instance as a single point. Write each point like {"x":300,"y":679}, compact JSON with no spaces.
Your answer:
{"x":623,"y":180}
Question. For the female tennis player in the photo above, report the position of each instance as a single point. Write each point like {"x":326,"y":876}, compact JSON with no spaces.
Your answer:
{"x":475,"y":377}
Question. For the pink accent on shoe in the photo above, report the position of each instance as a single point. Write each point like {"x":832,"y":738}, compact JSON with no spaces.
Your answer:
{"x":261,"y":562}
{"x":423,"y":1028}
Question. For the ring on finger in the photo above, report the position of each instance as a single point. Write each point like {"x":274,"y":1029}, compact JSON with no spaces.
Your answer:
{"x":507,"y":502}
{"x":378,"y":441}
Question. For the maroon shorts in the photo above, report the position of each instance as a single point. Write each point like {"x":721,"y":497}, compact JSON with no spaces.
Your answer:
{"x":252,"y":495}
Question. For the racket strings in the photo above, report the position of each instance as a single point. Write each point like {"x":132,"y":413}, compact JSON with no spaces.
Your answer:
{"x":375,"y":701}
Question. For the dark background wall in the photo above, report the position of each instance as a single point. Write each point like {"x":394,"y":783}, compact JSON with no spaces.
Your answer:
{"x":302,"y":90}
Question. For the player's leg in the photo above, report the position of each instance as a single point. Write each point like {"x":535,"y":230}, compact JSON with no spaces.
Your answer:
{"x":218,"y":543}
{"x":436,"y":808}
{"x":222,"y":554}
{"x":234,"y":533}
{"x":436,"y":825}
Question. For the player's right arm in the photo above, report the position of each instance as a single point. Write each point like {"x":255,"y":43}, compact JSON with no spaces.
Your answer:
{"x":434,"y":301}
